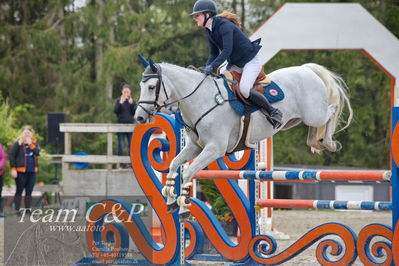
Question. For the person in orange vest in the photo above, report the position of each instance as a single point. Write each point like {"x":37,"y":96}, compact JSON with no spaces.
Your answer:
{"x":24,"y":166}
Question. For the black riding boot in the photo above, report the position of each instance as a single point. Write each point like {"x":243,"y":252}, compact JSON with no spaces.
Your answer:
{"x":259,"y":100}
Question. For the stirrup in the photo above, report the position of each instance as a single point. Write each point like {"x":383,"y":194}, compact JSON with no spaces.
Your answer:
{"x":275,"y":122}
{"x":277,"y":116}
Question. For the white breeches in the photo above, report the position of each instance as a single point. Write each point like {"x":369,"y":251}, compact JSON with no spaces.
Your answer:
{"x":249,"y":74}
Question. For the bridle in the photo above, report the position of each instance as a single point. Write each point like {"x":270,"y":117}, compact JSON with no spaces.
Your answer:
{"x":160,"y":82}
{"x":218,"y":97}
{"x":156,"y":105}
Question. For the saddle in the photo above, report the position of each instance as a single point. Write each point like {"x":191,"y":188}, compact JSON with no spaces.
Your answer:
{"x":242,"y":107}
{"x":260,"y":83}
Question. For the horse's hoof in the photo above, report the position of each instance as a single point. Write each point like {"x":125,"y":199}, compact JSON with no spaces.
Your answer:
{"x":172,"y":207}
{"x":184,"y":216}
{"x":338,"y":146}
{"x":183,"y":201}
{"x":172,"y":192}
{"x":165,"y":191}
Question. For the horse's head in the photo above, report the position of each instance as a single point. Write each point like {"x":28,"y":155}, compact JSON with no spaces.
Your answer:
{"x":151,"y":98}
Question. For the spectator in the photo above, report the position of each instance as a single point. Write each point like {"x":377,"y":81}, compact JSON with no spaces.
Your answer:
{"x":24,"y":166}
{"x":124,"y":108}
{"x":2,"y":165}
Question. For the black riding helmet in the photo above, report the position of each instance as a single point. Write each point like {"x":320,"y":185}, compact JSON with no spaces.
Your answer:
{"x":205,"y":6}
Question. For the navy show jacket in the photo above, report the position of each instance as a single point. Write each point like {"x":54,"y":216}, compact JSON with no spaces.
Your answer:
{"x":235,"y":47}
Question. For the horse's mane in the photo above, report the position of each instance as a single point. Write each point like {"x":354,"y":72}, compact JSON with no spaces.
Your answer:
{"x":180,"y":68}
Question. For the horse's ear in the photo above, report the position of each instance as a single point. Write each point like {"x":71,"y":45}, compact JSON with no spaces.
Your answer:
{"x":152,"y":65}
{"x":142,"y":60}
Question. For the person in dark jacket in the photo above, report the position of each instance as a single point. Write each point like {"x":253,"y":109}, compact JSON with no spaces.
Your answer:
{"x":124,"y":108}
{"x":24,"y":166}
{"x":228,"y":42}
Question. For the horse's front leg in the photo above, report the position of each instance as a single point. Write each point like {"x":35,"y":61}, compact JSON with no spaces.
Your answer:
{"x":189,"y":152}
{"x":210,"y":153}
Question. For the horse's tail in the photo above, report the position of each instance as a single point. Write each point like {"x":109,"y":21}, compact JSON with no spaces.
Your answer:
{"x":337,"y":94}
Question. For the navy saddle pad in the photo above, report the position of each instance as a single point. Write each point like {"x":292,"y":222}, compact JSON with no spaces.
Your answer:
{"x":272,"y":92}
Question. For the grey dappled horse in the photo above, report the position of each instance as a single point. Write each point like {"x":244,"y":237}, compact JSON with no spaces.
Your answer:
{"x":313,"y":95}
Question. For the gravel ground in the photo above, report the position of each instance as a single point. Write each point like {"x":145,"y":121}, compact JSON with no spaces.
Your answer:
{"x":295,"y":224}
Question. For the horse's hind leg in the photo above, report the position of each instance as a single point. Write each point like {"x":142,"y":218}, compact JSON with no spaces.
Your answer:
{"x":325,"y":139}
{"x":320,"y":138}
{"x":313,"y":142}
{"x":330,"y":144}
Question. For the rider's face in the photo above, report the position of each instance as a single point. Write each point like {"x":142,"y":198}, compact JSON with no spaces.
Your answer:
{"x":199,"y":19}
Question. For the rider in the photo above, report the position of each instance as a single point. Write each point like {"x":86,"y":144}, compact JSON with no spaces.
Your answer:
{"x":228,"y":42}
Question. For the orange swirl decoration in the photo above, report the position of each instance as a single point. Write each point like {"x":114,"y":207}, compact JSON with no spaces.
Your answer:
{"x":146,"y":154}
{"x":239,"y":205}
{"x":196,"y":245}
{"x":265,"y":245}
{"x":100,"y":231}
{"x":364,"y":241}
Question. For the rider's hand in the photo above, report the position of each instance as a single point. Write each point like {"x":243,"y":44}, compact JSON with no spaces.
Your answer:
{"x":208,"y":70}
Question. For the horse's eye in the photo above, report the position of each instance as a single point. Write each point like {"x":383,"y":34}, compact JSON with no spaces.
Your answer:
{"x":151,"y":87}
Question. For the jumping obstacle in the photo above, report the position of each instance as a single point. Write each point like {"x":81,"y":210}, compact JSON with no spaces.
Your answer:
{"x":325,"y":204}
{"x":251,"y":246}
{"x":292,"y":176}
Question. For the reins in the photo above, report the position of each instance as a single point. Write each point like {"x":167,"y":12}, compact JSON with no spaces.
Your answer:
{"x":219,"y":101}
{"x":185,"y":97}
{"x":218,"y":98}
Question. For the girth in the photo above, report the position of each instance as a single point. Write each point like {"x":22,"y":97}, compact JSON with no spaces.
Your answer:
{"x":242,"y":143}
{"x":261,"y":81}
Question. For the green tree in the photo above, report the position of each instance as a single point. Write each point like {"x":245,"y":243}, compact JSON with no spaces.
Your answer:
{"x":57,"y":57}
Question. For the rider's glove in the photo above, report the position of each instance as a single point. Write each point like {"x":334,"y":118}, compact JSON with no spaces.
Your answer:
{"x":208,"y":70}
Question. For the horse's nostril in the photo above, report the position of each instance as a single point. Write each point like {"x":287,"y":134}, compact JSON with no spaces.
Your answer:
{"x":140,"y":119}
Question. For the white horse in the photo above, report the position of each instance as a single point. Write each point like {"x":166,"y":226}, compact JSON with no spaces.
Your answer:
{"x":313,"y":95}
